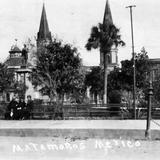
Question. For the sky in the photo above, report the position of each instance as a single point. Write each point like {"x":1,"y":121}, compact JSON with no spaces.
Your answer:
{"x":72,"y":20}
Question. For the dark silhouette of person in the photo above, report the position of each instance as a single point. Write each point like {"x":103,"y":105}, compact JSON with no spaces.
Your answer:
{"x":29,"y":107}
{"x":16,"y":110}
{"x":11,"y":108}
{"x":25,"y":54}
{"x":21,"y":108}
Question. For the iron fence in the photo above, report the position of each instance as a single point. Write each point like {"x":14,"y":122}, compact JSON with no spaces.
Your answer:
{"x":86,"y":111}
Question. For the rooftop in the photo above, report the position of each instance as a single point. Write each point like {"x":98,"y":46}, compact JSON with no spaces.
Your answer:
{"x":15,"y":49}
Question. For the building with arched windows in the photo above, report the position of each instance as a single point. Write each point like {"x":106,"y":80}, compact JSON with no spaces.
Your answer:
{"x":21,"y":62}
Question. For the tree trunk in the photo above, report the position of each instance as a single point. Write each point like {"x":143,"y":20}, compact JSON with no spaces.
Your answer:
{"x":62,"y":98}
{"x":105,"y":79}
{"x":51,"y":96}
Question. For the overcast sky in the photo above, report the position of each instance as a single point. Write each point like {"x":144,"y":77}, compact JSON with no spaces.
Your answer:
{"x":71,"y":21}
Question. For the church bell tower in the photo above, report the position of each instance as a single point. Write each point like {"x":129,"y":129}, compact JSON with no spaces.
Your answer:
{"x":112,"y":58}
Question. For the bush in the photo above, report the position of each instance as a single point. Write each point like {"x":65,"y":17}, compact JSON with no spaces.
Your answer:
{"x":114,"y":96}
{"x":58,"y":112}
{"x":38,"y":101}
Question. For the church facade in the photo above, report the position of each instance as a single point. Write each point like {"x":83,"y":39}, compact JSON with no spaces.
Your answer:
{"x":19,"y":59}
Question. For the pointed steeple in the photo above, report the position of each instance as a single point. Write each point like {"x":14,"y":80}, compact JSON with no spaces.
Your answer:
{"x":44,"y":34}
{"x":107,"y":14}
{"x":112,"y":56}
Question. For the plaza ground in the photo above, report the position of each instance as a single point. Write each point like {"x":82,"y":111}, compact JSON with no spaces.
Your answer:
{"x":31,"y":148}
{"x":78,"y":140}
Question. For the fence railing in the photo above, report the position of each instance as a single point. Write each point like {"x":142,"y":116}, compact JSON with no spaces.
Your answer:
{"x":86,"y":111}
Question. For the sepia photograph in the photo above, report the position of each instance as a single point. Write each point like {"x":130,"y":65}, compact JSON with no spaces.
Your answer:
{"x":79,"y":80}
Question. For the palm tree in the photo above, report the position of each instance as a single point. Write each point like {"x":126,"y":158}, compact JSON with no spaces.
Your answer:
{"x":104,"y":36}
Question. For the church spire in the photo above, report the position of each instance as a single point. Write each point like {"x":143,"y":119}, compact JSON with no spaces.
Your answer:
{"x":107,"y":14}
{"x":112,"y":58}
{"x":44,"y":34}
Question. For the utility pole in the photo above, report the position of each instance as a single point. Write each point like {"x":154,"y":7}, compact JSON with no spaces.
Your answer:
{"x":134,"y":67}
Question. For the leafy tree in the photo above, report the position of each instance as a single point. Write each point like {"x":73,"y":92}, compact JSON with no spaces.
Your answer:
{"x":57,"y":71}
{"x":94,"y":80}
{"x":115,"y":96}
{"x":104,"y":36}
{"x":142,"y":67}
{"x":6,"y":78}
{"x":122,"y":78}
{"x":8,"y":81}
{"x":115,"y":80}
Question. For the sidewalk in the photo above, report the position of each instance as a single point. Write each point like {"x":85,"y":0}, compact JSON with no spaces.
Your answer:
{"x":127,"y":129}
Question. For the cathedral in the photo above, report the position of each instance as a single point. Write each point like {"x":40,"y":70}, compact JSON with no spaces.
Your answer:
{"x":21,"y":62}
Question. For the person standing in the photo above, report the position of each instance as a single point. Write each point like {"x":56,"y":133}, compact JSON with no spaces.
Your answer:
{"x":29,"y":107}
{"x":14,"y":109}
{"x":11,"y":108}
{"x":21,"y":108}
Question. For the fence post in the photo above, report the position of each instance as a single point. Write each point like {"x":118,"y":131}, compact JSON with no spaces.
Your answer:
{"x":76,"y":110}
